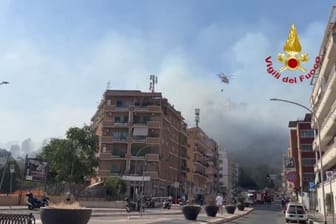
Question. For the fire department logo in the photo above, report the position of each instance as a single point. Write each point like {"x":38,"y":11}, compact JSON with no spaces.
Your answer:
{"x":292,"y":60}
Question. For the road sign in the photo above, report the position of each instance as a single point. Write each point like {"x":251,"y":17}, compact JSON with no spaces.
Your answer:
{"x":311,"y":186}
{"x":136,"y":178}
{"x":291,"y":176}
{"x":289,"y":163}
{"x":330,"y":175}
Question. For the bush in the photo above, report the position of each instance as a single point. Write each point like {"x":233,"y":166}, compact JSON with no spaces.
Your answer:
{"x":115,"y":188}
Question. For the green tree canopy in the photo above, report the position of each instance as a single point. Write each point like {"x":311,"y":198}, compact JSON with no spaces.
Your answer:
{"x":71,"y":159}
{"x":114,"y":186}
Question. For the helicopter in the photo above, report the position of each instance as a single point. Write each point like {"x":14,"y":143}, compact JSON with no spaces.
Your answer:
{"x":224,"y":78}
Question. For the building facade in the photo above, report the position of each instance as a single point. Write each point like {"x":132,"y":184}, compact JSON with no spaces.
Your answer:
{"x":202,"y":164}
{"x":143,"y":140}
{"x":301,"y":151}
{"x":323,"y":104}
{"x":223,"y":171}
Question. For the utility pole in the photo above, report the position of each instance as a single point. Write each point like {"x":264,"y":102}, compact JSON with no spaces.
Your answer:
{"x":197,"y":116}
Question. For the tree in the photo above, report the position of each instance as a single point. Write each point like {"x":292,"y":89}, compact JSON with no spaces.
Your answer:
{"x":73,"y":159}
{"x":114,"y":186}
{"x":16,"y":176}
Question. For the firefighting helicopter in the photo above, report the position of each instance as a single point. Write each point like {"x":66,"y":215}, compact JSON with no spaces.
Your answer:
{"x":224,"y":78}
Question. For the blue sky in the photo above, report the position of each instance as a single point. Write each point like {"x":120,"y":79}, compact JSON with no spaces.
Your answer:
{"x":59,"y":55}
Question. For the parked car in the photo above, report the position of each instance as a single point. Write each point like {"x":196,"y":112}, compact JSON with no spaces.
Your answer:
{"x":296,"y":212}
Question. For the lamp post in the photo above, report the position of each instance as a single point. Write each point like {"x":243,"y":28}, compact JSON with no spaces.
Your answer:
{"x":319,"y":149}
{"x":143,"y":176}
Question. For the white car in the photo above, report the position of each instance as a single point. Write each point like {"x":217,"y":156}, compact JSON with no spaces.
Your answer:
{"x":296,"y":212}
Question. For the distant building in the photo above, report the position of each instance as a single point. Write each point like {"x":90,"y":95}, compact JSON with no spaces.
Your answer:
{"x":300,"y":151}
{"x":202,"y":163}
{"x":140,"y":133}
{"x":223,"y":171}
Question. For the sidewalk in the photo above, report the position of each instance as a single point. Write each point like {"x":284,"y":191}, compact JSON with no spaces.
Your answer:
{"x":173,"y":215}
{"x":317,"y":218}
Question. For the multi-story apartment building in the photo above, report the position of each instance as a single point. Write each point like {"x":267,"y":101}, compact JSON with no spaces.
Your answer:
{"x":212,"y":169}
{"x":323,"y":104}
{"x":140,"y":133}
{"x":223,"y":171}
{"x":202,"y":165}
{"x":301,"y":151}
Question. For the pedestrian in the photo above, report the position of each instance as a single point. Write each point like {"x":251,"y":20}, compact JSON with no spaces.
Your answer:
{"x":219,"y":202}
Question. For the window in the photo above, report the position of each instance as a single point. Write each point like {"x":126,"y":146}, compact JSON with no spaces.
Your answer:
{"x":146,"y":119}
{"x":118,"y":152}
{"x":115,"y":168}
{"x":119,"y":103}
{"x":117,"y":119}
{"x":308,"y":162}
{"x":308,"y":133}
{"x":125,"y":119}
{"x":120,"y":135}
{"x":306,"y":147}
{"x":308,"y":177}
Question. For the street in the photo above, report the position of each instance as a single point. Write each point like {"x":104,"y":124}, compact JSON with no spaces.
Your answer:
{"x":263,"y":214}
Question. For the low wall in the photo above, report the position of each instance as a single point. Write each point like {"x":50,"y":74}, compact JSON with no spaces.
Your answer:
{"x":11,"y":200}
{"x":103,"y":204}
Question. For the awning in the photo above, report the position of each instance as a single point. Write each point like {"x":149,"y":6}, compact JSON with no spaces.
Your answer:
{"x":140,"y":131}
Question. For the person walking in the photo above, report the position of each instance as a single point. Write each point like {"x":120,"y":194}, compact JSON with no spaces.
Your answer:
{"x":219,"y":202}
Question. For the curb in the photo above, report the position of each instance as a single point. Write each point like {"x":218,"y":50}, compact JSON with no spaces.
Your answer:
{"x":134,"y":214}
{"x":235,"y":217}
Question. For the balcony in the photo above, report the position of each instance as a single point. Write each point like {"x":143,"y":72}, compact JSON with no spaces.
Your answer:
{"x":110,"y":139}
{"x":153,"y":140}
{"x":328,"y":158}
{"x":110,"y":123}
{"x":327,"y":60}
{"x":154,"y":124}
{"x":210,"y":171}
{"x":138,"y":139}
{"x":198,"y":173}
{"x":115,"y":108}
{"x":152,"y":157}
{"x":154,"y":108}
{"x":110,"y":156}
{"x":140,"y":109}
{"x":154,"y":175}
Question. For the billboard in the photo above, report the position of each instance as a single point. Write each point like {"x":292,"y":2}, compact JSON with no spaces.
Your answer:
{"x":36,"y":170}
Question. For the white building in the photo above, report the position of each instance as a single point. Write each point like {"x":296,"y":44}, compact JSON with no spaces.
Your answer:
{"x":323,"y":104}
{"x":228,"y":172}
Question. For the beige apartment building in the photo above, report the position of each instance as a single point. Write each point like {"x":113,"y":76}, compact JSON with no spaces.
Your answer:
{"x":202,"y":164}
{"x":323,"y":103}
{"x":142,"y":137}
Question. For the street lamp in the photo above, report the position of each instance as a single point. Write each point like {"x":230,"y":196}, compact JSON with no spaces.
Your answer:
{"x":143,"y":176}
{"x":319,"y":148}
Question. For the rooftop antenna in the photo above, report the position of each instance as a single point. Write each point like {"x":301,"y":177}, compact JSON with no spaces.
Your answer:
{"x":108,"y":85}
{"x":153,"y":81}
{"x":197,"y":116}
